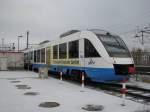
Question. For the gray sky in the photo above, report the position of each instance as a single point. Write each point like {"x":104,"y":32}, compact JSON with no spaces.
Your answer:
{"x":46,"y":19}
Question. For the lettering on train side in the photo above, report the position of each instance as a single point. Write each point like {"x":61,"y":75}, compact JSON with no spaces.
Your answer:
{"x":75,"y":62}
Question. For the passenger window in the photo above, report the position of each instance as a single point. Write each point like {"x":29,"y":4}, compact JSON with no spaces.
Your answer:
{"x":63,"y":51}
{"x":48,"y":55}
{"x":55,"y":52}
{"x":35,"y":56}
{"x":43,"y":55}
{"x":31,"y":55}
{"x":89,"y":49}
{"x":25,"y":57}
{"x":38,"y":55}
{"x":74,"y":49}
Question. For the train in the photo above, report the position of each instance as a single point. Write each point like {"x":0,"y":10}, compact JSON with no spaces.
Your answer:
{"x":102,"y":56}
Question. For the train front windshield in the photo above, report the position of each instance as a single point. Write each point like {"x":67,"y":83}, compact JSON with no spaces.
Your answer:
{"x":114,"y":46}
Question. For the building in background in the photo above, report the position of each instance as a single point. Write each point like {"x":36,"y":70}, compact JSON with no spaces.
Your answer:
{"x":11,"y":60}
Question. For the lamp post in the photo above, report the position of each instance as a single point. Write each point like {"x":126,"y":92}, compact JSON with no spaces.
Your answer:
{"x":27,"y":39}
{"x":18,"y":41}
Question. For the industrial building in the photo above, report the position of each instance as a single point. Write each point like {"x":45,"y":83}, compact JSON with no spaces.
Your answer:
{"x":11,"y":60}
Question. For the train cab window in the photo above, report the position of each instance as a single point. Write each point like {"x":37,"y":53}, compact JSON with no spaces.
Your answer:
{"x":55,"y":52}
{"x":43,"y":55}
{"x":63,"y":51}
{"x":74,"y":49}
{"x":114,"y":45}
{"x":38,"y":56}
{"x":35,"y":55}
{"x":89,"y":49}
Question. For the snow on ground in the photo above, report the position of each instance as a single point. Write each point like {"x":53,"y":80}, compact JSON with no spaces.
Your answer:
{"x":70,"y":96}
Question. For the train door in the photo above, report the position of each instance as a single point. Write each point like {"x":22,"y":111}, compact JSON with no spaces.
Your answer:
{"x":48,"y":56}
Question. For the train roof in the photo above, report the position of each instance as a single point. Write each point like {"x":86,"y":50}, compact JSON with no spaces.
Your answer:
{"x":39,"y":46}
{"x":68,"y":33}
{"x":95,"y":31}
{"x":27,"y":50}
{"x":101,"y":32}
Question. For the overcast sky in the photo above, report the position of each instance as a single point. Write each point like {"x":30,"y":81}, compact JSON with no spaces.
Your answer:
{"x":46,"y":19}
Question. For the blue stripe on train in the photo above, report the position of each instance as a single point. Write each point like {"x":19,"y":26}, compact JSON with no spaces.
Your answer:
{"x":96,"y":74}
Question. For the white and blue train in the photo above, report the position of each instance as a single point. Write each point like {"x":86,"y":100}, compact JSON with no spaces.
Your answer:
{"x":101,"y":55}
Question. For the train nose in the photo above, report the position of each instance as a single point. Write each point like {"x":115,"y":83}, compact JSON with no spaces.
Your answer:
{"x":121,"y":69}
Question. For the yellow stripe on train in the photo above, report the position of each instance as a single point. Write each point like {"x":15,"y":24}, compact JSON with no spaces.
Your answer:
{"x":66,"y":62}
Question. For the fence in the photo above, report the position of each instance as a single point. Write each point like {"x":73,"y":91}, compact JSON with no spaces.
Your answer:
{"x":141,"y":58}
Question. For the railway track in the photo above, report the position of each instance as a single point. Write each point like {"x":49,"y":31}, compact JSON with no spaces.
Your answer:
{"x":145,"y":70}
{"x":134,"y":93}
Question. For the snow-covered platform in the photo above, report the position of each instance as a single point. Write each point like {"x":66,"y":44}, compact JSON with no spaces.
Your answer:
{"x":71,"y":97}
